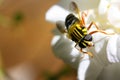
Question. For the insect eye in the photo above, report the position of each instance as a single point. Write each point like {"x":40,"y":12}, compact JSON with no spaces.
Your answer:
{"x":68,"y":20}
{"x":88,"y":37}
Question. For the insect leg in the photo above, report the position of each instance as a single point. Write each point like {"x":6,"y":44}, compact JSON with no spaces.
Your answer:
{"x":83,"y":14}
{"x":101,"y":31}
{"x":98,"y":30}
{"x":89,"y":53}
{"x":76,"y":46}
{"x":92,"y":23}
{"x":81,"y":50}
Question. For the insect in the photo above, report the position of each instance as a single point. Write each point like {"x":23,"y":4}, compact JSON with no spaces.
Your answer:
{"x":77,"y":31}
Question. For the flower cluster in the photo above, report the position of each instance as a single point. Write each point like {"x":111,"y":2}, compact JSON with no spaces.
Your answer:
{"x":105,"y":63}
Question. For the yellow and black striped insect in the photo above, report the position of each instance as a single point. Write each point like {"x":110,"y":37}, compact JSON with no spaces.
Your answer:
{"x":77,"y":31}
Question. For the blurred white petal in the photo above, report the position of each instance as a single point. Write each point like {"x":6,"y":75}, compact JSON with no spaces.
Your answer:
{"x":99,"y":61}
{"x":56,"y":13}
{"x":118,"y":47}
{"x":103,"y":6}
{"x":110,"y":72}
{"x":91,"y":70}
{"x":99,"y":40}
{"x":23,"y":71}
{"x":115,"y":1}
{"x":114,"y":15}
{"x":82,"y":69}
{"x":112,"y":49}
{"x":63,"y":49}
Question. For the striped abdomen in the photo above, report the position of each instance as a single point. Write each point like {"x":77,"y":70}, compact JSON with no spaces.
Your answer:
{"x":77,"y":33}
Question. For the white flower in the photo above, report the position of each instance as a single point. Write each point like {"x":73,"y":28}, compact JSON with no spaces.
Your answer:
{"x":105,"y":63}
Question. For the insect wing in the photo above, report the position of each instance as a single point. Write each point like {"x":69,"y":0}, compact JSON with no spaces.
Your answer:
{"x":74,"y":8}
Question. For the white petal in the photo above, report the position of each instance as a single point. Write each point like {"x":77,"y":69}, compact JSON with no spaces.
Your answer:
{"x":110,"y":72}
{"x":112,"y":53}
{"x":64,"y":49}
{"x":118,"y":47}
{"x":94,"y":70}
{"x":56,"y":13}
{"x":82,"y":69}
{"x":103,"y":6}
{"x":55,"y":40}
{"x":99,"y":40}
{"x":90,"y":69}
{"x":114,"y":16}
{"x":93,"y":67}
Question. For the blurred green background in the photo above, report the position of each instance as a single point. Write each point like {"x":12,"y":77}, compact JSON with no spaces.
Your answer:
{"x":25,"y":37}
